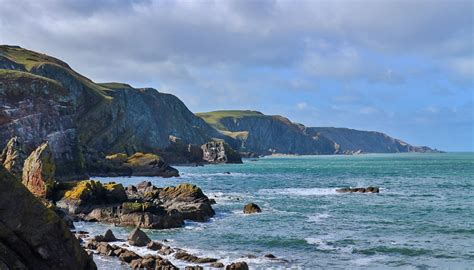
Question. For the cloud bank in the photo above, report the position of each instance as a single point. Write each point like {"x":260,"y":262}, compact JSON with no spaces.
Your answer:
{"x":362,"y":64}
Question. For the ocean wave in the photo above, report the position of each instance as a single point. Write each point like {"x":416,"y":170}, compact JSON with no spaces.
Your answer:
{"x":318,"y":217}
{"x":299,"y":191}
{"x":327,"y":245}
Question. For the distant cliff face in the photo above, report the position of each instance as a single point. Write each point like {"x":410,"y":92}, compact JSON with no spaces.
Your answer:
{"x":43,"y":99}
{"x":358,"y":141}
{"x":264,"y":134}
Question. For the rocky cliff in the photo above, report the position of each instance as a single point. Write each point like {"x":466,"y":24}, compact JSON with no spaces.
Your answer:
{"x":32,"y":236}
{"x":268,"y":134}
{"x":359,"y":141}
{"x":43,"y":99}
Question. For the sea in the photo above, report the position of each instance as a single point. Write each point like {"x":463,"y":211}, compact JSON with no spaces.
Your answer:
{"x":423,"y":217}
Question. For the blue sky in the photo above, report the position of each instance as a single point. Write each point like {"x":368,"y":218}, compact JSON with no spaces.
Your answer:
{"x":405,"y":68}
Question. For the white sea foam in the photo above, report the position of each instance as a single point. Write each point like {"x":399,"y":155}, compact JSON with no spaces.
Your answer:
{"x":325,"y":244}
{"x":299,"y":191}
{"x":318,"y":217}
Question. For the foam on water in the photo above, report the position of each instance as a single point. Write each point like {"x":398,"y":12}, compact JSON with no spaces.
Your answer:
{"x":300,"y":191}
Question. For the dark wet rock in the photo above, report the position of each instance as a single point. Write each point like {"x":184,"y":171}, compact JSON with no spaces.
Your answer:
{"x":154,"y":245}
{"x":164,"y":264}
{"x":358,"y":190}
{"x":251,"y":208}
{"x":166,"y":250}
{"x":33,"y":236}
{"x":217,"y":265}
{"x":138,"y":238}
{"x":107,"y":237}
{"x":184,"y":256}
{"x":237,"y":266}
{"x":195,"y":267}
{"x":270,"y":256}
{"x":128,"y":256}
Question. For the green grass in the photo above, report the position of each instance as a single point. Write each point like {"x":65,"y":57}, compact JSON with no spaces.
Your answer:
{"x":213,"y":118}
{"x":8,"y":74}
{"x":115,"y":85}
{"x":30,"y":59}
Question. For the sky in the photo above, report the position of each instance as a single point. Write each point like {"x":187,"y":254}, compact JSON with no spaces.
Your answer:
{"x":405,"y":68}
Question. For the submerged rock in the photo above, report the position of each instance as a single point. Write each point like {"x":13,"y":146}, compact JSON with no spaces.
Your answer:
{"x":38,"y":171}
{"x":251,"y":208}
{"x":358,"y":190}
{"x":32,"y":236}
{"x":138,"y":238}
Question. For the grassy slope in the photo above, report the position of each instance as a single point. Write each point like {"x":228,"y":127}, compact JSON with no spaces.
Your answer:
{"x":30,"y":59}
{"x":213,"y":118}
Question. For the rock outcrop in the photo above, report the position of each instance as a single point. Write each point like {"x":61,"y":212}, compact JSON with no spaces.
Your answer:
{"x":219,"y":152}
{"x":358,"y":190}
{"x":144,"y":205}
{"x":129,"y":257}
{"x":138,"y":238}
{"x":13,"y":157}
{"x":32,"y":236}
{"x":251,"y":208}
{"x":38,"y":171}
{"x":138,"y":164}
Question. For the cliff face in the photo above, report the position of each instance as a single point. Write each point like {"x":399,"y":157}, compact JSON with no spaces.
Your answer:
{"x":43,"y":99}
{"x":32,"y":236}
{"x":264,"y":134}
{"x":353,"y":141}
{"x":38,"y":109}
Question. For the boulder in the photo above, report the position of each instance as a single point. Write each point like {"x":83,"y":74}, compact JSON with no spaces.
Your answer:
{"x":138,"y":238}
{"x":32,"y":236}
{"x":237,"y":266}
{"x":251,"y":208}
{"x":13,"y":157}
{"x":219,"y":152}
{"x":107,"y":237}
{"x":38,"y":171}
{"x":128,"y":256}
{"x":154,"y":245}
{"x":217,"y":265}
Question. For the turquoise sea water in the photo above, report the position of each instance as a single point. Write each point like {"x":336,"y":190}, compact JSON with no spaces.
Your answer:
{"x":423,"y":218}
